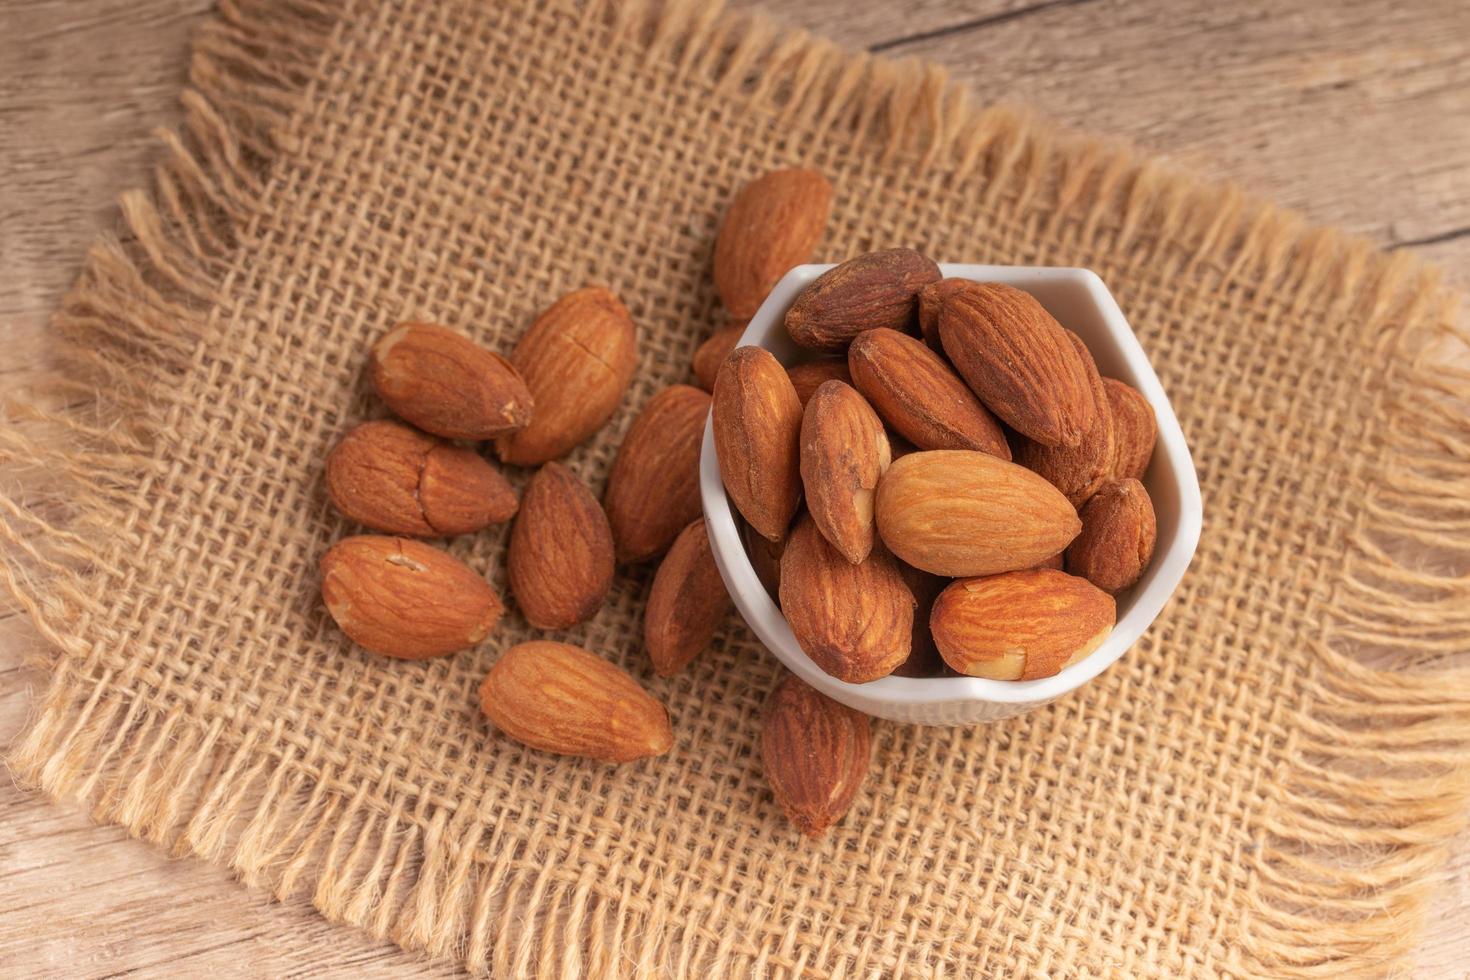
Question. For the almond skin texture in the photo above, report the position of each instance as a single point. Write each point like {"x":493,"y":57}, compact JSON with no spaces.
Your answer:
{"x":577,"y":360}
{"x":392,"y":477}
{"x":774,"y":223}
{"x":765,"y":558}
{"x":757,"y":425}
{"x":687,"y":603}
{"x":447,"y":384}
{"x":1020,"y":626}
{"x":917,"y":393}
{"x":561,"y":551}
{"x":653,"y":489}
{"x":403,"y":598}
{"x":712,"y":353}
{"x":560,"y":698}
{"x":1078,"y":470}
{"x":1119,"y":531}
{"x":808,"y":376}
{"x":815,"y":752}
{"x":959,"y":513}
{"x":1020,"y":361}
{"x":924,"y":659}
{"x":1135,"y":430}
{"x":855,"y":621}
{"x":878,"y":289}
{"x":931,"y":300}
{"x":844,"y":452}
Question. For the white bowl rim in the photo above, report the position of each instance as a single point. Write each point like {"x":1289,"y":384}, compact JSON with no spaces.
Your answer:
{"x":764,"y":616}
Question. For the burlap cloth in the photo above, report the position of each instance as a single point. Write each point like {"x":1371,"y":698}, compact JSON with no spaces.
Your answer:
{"x":1239,"y":794}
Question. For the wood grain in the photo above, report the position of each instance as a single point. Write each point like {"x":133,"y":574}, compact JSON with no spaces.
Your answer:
{"x":1355,"y":112}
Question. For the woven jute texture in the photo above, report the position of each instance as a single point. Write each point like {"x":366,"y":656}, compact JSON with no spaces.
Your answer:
{"x":1264,"y":786}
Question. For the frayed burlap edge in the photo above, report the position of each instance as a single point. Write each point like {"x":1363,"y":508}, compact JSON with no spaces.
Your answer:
{"x":1353,"y":832}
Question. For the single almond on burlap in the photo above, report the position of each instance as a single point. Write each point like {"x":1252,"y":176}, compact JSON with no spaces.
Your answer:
{"x":1077,"y":470}
{"x":1135,"y":429}
{"x":392,"y":477}
{"x":1119,"y":531}
{"x":931,"y":301}
{"x":815,"y":752}
{"x":757,"y":426}
{"x":1020,"y":626}
{"x":878,"y":289}
{"x":808,"y":376}
{"x":687,"y":603}
{"x":774,"y":223}
{"x":960,"y":513}
{"x":577,"y":360}
{"x":712,"y":353}
{"x":854,"y":621}
{"x":1020,"y":361}
{"x":915,"y":391}
{"x":844,"y":451}
{"x":561,"y":698}
{"x":923,"y":659}
{"x":447,"y":384}
{"x":653,"y":489}
{"x":403,"y":598}
{"x":561,"y":551}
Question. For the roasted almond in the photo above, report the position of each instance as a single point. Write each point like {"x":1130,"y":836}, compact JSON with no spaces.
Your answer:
{"x":854,"y":621}
{"x":403,"y":598}
{"x":923,"y":659}
{"x":712,"y":353}
{"x":960,"y":513}
{"x":757,"y":427}
{"x":1055,"y":561}
{"x":878,"y":289}
{"x":392,"y":477}
{"x":687,"y":603}
{"x":561,"y":551}
{"x":844,"y":451}
{"x":1020,"y":361}
{"x":1077,"y":470}
{"x":815,"y":752}
{"x":808,"y":376}
{"x":1135,"y":430}
{"x":931,"y":300}
{"x":1118,"y":535}
{"x":577,"y":360}
{"x":774,"y":223}
{"x":765,"y":558}
{"x":653,"y":489}
{"x":917,"y":393}
{"x":1020,"y":626}
{"x":560,"y":698}
{"x":447,"y":384}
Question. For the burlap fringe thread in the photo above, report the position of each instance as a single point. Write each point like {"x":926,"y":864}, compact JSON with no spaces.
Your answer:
{"x":1353,"y":834}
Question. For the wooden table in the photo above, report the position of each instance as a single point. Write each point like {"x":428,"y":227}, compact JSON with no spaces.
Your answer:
{"x":1357,"y":112}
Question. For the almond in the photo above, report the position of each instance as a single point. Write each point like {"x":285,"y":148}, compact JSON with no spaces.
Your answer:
{"x":1135,"y":430}
{"x":712,"y":353}
{"x":391,"y":477}
{"x":1055,"y":561}
{"x":1118,"y":535}
{"x":1020,"y":361}
{"x":1078,"y":470}
{"x":923,"y":659}
{"x":403,"y":598}
{"x":687,"y":603}
{"x":653,"y":489}
{"x":757,"y":427}
{"x":447,"y":384}
{"x":577,"y":360}
{"x":815,"y":752}
{"x":854,"y":621}
{"x":561,"y":551}
{"x":560,"y":698}
{"x":774,"y":223}
{"x":961,"y":513}
{"x":808,"y":376}
{"x":844,"y":451}
{"x":931,"y":300}
{"x":879,"y":289}
{"x":1020,"y":626}
{"x":765,"y":558}
{"x":917,"y":393}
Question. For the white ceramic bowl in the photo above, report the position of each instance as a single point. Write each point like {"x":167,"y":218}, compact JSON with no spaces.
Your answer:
{"x":1080,"y":301}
